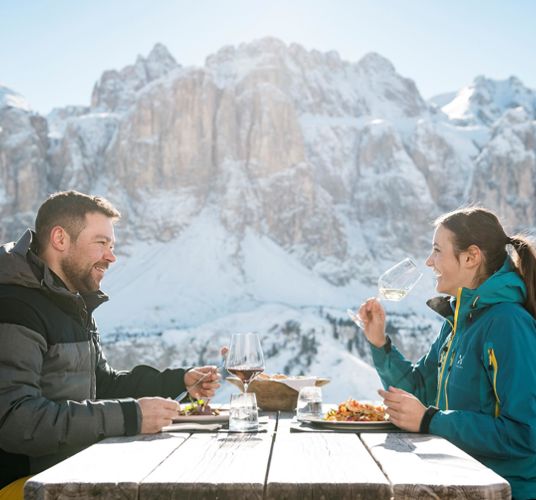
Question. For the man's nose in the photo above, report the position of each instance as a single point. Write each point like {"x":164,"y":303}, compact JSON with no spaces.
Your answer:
{"x":110,"y":256}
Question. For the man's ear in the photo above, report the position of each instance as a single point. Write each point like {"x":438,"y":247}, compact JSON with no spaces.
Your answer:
{"x":472,"y":257}
{"x":59,"y":239}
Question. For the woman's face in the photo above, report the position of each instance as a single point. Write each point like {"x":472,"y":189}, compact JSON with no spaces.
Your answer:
{"x":450,"y":271}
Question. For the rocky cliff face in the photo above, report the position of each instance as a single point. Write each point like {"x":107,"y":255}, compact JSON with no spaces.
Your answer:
{"x":23,"y":162}
{"x":116,"y":90}
{"x":505,"y":170}
{"x":341,"y":166}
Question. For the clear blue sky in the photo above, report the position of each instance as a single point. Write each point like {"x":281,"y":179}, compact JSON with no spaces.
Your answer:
{"x":53,"y":51}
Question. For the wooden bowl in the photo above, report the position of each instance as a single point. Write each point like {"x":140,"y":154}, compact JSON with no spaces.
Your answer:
{"x":272,"y":395}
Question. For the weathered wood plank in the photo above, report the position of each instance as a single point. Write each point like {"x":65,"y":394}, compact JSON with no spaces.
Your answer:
{"x":112,"y":469}
{"x":425,"y":466}
{"x":322,"y":466}
{"x":224,"y":466}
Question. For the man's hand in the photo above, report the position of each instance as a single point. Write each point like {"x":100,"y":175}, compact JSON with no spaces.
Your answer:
{"x":405,"y":410}
{"x":202,"y":381}
{"x":372,"y":315}
{"x":156,"y":413}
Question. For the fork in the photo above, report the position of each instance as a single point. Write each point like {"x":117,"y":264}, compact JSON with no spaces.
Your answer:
{"x":220,"y":368}
{"x":181,"y":396}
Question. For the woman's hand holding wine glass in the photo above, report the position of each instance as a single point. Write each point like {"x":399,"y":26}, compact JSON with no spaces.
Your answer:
{"x":394,"y":284}
{"x":372,"y":316}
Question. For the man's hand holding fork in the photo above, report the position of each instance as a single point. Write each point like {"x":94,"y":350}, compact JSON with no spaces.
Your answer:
{"x":201,"y":382}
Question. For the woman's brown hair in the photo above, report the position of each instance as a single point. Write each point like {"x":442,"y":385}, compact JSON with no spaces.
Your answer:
{"x":481,"y":227}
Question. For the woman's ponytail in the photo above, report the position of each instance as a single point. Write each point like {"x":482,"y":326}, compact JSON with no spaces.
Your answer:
{"x":526,"y":266}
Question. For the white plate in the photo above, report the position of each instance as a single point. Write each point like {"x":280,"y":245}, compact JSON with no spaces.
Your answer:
{"x":222,"y":417}
{"x":191,"y":426}
{"x":357,"y":426}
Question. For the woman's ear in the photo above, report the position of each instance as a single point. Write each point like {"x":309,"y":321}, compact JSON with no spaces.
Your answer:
{"x":472,"y":257}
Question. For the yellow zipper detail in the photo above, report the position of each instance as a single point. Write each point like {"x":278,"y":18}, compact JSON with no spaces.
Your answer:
{"x":495,"y":365}
{"x":453,"y":334}
{"x":447,"y":380}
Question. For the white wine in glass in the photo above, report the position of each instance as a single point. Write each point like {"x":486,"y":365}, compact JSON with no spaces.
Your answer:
{"x":245,"y":358}
{"x":394,"y":284}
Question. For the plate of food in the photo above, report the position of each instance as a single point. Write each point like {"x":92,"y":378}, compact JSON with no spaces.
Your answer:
{"x":355,"y":415}
{"x":198,"y":411}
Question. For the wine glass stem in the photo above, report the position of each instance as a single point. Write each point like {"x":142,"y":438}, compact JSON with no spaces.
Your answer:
{"x":245,"y":387}
{"x":358,"y":319}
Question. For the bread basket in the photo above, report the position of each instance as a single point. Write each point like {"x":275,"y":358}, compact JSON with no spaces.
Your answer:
{"x":272,"y":394}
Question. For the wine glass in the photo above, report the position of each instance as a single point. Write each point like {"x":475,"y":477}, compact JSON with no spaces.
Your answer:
{"x":245,"y":358}
{"x":394,"y":284}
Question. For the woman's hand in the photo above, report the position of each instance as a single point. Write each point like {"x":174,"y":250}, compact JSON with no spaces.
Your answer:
{"x":202,"y":381}
{"x":372,"y":315}
{"x":405,"y":410}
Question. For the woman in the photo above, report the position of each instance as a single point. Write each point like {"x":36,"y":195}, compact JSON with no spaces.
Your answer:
{"x":476,"y":386}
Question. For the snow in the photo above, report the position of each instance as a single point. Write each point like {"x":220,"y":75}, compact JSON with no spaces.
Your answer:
{"x":442,"y":99}
{"x":458,"y":107}
{"x":206,"y":273}
{"x":11,"y":99}
{"x":186,"y":281}
{"x":486,"y":100}
{"x":59,"y":118}
{"x":274,"y":275}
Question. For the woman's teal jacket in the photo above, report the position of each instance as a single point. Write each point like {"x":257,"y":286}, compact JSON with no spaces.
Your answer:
{"x":481,"y":373}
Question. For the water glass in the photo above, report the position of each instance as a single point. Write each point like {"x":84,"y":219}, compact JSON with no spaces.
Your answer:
{"x":309,"y":403}
{"x":243,"y":413}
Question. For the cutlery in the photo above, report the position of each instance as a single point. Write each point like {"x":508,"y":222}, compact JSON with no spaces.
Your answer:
{"x":181,"y":396}
{"x":220,"y":367}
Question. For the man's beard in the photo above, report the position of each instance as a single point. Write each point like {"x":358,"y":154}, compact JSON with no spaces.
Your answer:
{"x":79,"y":275}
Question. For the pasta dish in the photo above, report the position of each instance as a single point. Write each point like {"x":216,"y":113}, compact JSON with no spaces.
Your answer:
{"x":354,"y":411}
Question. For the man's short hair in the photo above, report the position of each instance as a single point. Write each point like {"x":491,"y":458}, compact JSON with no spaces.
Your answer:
{"x":68,"y":209}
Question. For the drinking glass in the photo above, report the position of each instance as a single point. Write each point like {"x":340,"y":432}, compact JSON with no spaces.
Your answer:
{"x":243,"y":413}
{"x":245,"y":358}
{"x":394,"y":284}
{"x":309,"y":403}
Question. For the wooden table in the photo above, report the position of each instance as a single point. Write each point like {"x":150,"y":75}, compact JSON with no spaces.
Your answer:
{"x":277,"y":464}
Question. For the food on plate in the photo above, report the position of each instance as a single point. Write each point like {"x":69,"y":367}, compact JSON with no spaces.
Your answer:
{"x":197,"y":408}
{"x":354,"y":411}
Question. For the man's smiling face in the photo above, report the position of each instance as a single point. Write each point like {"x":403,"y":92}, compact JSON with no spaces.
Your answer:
{"x":88,"y":258}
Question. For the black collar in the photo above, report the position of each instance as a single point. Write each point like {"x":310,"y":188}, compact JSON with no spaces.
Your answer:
{"x":441,"y":305}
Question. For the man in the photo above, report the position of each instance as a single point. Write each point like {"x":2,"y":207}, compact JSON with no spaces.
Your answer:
{"x":57,"y":392}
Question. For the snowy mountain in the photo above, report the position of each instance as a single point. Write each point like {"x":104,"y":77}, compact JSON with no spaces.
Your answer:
{"x":11,"y":99}
{"x":485,"y":101}
{"x":267,"y":190}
